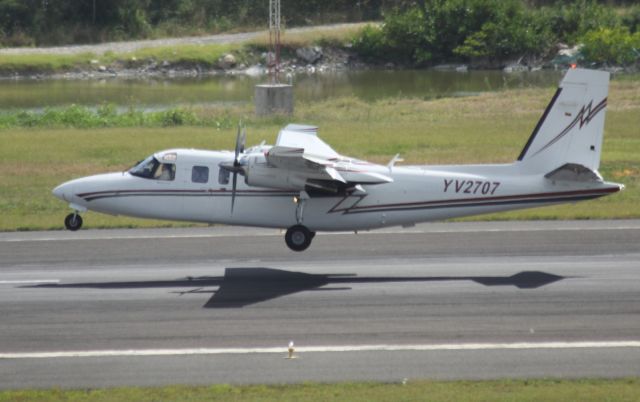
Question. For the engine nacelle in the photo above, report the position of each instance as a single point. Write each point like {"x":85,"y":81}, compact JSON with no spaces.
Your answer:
{"x":262,"y":175}
{"x":259,"y":174}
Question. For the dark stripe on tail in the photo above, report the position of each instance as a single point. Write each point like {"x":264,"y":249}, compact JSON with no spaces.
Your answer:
{"x":542,"y":119}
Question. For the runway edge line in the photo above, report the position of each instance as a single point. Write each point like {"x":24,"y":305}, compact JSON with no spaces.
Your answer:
{"x":324,"y":349}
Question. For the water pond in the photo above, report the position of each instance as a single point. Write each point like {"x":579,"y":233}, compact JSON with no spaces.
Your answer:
{"x":163,"y":93}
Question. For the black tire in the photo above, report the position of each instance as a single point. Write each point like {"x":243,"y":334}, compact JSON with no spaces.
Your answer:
{"x":73,"y":222}
{"x":298,"y":238}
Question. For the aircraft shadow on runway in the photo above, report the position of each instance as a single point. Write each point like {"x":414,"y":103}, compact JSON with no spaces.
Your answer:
{"x":240,"y":287}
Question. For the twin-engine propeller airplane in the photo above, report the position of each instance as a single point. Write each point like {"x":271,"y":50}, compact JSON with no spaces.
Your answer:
{"x":303,"y":185}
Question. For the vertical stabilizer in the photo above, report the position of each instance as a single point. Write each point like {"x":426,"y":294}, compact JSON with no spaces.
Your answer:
{"x":571,"y":128}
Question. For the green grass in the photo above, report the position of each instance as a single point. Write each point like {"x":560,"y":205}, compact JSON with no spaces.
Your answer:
{"x":43,"y":63}
{"x":336,"y":37}
{"x":484,"y":129}
{"x":461,"y":391}
{"x":204,"y":55}
{"x":184,"y":54}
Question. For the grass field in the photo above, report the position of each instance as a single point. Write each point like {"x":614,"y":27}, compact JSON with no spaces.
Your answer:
{"x":459,"y":391}
{"x":488,"y":128}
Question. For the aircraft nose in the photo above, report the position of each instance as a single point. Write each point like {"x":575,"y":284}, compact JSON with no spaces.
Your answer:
{"x":63,"y":191}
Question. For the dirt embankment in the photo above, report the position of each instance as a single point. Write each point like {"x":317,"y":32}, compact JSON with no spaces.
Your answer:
{"x":123,"y":63}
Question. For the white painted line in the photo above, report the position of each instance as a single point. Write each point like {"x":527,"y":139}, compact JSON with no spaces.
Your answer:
{"x":29,"y":281}
{"x":324,"y":349}
{"x":93,"y":236}
{"x":488,"y":230}
{"x":135,"y":237}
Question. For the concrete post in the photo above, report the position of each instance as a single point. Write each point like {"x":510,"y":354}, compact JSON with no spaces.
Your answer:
{"x":273,"y":98}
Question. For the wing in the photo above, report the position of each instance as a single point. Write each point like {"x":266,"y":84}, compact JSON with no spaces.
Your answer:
{"x":306,"y":138}
{"x":297,"y":160}
{"x":298,"y":149}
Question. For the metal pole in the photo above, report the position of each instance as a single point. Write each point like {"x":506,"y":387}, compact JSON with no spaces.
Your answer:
{"x":274,"y":40}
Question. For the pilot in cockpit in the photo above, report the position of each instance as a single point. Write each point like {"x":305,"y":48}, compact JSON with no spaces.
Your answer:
{"x":165,"y":173}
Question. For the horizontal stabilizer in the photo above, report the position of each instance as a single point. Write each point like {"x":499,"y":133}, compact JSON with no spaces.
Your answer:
{"x":573,"y":172}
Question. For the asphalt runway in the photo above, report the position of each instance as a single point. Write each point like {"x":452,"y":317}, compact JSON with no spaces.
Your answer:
{"x":211,"y":305}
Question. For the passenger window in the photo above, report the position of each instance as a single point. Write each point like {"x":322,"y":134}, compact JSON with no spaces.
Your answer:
{"x":200,"y":174}
{"x":166,"y":171}
{"x":223,"y":176}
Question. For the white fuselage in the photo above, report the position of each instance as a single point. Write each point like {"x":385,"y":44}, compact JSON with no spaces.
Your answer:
{"x":417,"y":194}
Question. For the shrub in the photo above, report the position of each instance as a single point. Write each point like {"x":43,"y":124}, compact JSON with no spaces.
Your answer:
{"x":72,"y":116}
{"x":16,"y":37}
{"x":569,"y":21}
{"x":177,"y":117}
{"x":457,"y":29}
{"x":407,"y":36}
{"x":612,"y":45}
{"x":370,"y":43}
{"x":631,"y":19}
{"x":511,"y":32}
{"x":107,"y":115}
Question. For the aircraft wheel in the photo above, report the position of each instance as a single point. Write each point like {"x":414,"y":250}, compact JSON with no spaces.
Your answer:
{"x":298,"y":238}
{"x":73,"y":222}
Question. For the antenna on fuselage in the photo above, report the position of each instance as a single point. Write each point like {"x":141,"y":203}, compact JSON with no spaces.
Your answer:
{"x":393,"y":162}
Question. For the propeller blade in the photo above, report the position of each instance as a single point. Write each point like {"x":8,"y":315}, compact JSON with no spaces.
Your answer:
{"x":233,"y":190}
{"x":241,"y":137}
{"x":237,"y":150}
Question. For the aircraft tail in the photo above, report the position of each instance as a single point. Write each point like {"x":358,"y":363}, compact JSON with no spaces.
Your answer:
{"x":569,"y":133}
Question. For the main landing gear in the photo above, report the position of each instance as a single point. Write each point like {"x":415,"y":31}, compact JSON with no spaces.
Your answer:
{"x":73,"y":221}
{"x":298,"y":237}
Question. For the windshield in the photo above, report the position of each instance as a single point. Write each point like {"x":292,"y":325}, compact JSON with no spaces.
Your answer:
{"x":146,"y":168}
{"x":150,"y":168}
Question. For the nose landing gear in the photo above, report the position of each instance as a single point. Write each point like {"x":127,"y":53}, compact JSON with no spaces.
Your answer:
{"x":73,"y":221}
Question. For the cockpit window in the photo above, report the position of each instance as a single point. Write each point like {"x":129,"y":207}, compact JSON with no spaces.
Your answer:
{"x":150,"y":168}
{"x":146,"y":168}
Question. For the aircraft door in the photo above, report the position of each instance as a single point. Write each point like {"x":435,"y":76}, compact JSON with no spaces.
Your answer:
{"x":199,"y":201}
